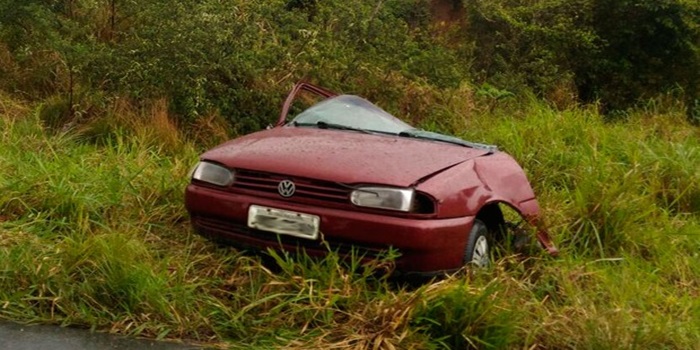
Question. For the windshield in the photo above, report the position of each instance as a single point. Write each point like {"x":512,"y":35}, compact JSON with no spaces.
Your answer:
{"x":352,"y":112}
{"x":349,"y":112}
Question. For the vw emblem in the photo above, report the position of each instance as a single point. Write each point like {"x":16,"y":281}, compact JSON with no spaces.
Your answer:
{"x":286,"y":188}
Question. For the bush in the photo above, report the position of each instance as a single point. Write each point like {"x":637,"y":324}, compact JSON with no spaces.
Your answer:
{"x":615,"y":52}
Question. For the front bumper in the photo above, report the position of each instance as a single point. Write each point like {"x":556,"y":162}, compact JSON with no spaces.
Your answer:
{"x":425,"y":245}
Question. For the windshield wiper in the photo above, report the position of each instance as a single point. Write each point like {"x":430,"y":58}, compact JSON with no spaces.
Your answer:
{"x":326,"y":125}
{"x":433,"y":136}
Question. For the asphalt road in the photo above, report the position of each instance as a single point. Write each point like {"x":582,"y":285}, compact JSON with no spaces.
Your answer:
{"x":22,"y":337}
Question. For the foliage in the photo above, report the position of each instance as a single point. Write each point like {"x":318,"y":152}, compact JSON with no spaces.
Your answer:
{"x":104,"y":106}
{"x":458,"y":317}
{"x":523,"y":44}
{"x":95,"y":235}
{"x":650,"y":46}
{"x":616,"y":52}
{"x":235,"y":59}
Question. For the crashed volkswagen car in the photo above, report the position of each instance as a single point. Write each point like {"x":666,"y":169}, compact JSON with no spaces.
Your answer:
{"x":345,"y":175}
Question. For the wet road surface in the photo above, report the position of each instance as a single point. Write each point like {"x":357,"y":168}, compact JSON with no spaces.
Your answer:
{"x":22,"y":337}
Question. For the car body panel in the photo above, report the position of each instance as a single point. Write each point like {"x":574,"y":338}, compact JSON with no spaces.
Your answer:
{"x":299,"y":87}
{"x":425,"y":245}
{"x":465,"y":188}
{"x":341,"y":156}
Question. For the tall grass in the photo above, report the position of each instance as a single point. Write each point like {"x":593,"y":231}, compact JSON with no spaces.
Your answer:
{"x":93,"y":233}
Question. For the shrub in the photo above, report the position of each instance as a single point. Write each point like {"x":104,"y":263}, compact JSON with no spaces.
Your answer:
{"x":615,"y":52}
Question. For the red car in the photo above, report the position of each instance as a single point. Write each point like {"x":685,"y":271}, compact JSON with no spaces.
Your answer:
{"x":344,"y":174}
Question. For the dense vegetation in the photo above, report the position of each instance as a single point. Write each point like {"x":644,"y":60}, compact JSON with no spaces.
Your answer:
{"x":235,"y":58}
{"x":104,"y":106}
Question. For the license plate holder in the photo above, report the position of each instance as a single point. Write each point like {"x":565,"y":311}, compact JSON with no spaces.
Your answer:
{"x":284,"y":222}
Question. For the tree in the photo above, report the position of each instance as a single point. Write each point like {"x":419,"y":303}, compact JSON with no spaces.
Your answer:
{"x":615,"y":52}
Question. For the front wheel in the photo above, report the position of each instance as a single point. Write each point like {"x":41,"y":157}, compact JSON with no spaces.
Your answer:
{"x":478,"y":250}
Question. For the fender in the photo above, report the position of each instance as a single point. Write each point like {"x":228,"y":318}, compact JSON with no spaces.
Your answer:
{"x":493,"y":178}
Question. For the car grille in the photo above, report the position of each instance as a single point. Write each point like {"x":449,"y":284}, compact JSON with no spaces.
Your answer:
{"x":227,"y":231}
{"x":263,"y":182}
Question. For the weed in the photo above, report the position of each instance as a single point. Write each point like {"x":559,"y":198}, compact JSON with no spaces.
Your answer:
{"x":457,"y":316}
{"x":94,"y":234}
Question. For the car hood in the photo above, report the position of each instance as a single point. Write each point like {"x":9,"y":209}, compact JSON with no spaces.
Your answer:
{"x":341,"y":156}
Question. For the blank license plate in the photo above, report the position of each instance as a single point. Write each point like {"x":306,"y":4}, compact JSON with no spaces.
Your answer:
{"x":284,"y":222}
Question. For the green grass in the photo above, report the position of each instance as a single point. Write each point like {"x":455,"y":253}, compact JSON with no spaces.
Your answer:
{"x":95,"y":235}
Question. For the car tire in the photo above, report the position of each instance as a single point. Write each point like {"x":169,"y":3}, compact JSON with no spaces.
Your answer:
{"x":478,"y":250}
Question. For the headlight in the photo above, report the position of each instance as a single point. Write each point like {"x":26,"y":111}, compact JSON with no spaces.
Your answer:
{"x":383,"y":197}
{"x":213,"y":174}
